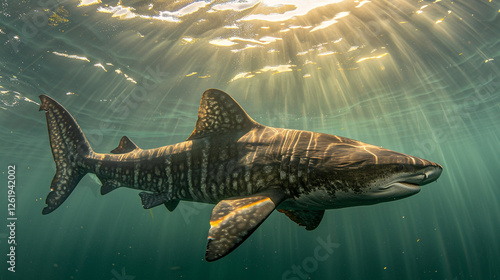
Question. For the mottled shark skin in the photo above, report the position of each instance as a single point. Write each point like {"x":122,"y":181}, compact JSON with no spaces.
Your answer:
{"x":245,"y":168}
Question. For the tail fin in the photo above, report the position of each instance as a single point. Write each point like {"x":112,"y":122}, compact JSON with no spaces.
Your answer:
{"x":69,"y":148}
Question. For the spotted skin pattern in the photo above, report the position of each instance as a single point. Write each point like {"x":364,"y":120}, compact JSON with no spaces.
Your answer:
{"x":245,"y":168}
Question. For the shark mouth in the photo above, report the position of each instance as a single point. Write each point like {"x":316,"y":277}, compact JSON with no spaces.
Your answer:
{"x":409,"y":186}
{"x":396,"y":190}
{"x":414,"y":182}
{"x":404,"y":185}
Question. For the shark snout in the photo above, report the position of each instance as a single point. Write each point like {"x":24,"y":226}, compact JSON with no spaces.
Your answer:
{"x":424,"y":176}
{"x":431,"y":174}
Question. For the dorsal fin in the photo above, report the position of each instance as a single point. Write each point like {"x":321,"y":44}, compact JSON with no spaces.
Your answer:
{"x":219,"y":113}
{"x":126,"y":145}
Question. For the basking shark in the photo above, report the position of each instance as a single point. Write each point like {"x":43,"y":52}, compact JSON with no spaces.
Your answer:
{"x":245,"y":168}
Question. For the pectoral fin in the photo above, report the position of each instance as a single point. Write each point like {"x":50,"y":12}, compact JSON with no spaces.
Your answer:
{"x":234,"y":219}
{"x":308,"y":218}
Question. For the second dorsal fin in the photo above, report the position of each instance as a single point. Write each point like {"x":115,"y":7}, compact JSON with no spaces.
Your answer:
{"x":219,"y":113}
{"x":126,"y":145}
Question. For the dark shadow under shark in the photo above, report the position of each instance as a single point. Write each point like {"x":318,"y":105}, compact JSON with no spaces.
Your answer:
{"x":245,"y":168}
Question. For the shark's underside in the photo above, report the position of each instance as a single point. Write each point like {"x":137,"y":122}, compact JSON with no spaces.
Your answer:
{"x":245,"y":168}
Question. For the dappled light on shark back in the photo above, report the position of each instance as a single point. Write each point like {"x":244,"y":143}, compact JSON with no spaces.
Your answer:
{"x":247,"y":169}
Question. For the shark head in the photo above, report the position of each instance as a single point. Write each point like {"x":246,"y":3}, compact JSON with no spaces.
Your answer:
{"x":387,"y":180}
{"x":353,"y":173}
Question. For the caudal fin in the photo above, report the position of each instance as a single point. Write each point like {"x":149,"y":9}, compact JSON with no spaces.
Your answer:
{"x":69,"y":148}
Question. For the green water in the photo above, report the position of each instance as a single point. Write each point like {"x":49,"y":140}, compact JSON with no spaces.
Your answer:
{"x":419,"y":77}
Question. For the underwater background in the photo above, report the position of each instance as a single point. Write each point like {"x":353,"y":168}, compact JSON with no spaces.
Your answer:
{"x":418,"y":77}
